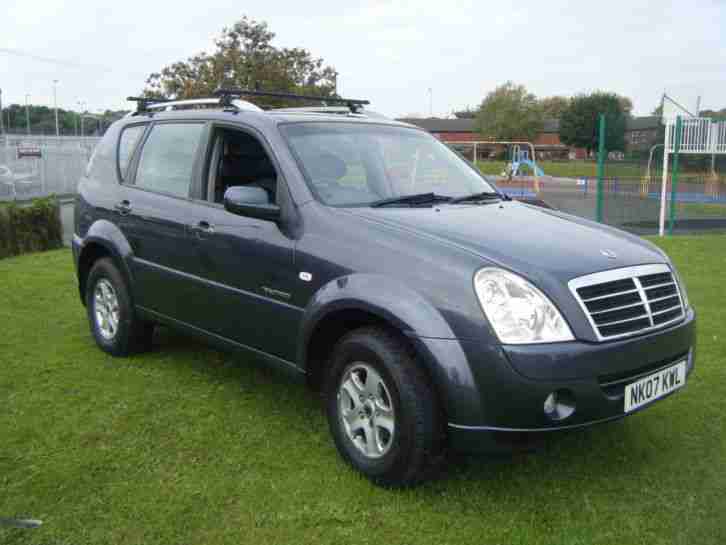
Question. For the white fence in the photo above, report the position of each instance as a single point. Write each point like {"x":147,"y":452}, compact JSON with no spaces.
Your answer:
{"x":698,"y":135}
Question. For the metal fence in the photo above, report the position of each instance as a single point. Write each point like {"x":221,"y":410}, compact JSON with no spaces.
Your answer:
{"x":56,"y":171}
{"x":630,"y":192}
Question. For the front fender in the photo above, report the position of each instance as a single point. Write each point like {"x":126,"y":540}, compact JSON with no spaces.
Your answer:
{"x":412,"y":314}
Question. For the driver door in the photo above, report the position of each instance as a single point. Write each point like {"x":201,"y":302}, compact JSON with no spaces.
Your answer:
{"x":245,"y":263}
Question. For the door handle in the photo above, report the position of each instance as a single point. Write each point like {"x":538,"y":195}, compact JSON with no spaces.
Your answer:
{"x":123,"y":208}
{"x":203,"y":227}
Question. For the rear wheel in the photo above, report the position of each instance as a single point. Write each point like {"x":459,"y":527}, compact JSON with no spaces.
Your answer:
{"x":382,"y":410}
{"x":111,"y":317}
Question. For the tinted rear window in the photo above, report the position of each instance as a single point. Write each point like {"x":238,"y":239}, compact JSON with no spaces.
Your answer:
{"x":127,"y":144}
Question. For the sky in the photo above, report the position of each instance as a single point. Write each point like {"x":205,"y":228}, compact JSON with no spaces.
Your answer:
{"x":389,"y":52}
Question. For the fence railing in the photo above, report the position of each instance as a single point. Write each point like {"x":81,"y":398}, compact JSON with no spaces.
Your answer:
{"x":57,"y":169}
{"x":699,"y":135}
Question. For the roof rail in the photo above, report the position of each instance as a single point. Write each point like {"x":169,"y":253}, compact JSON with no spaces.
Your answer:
{"x":183,"y":104}
{"x":143,"y":103}
{"x":225,"y":95}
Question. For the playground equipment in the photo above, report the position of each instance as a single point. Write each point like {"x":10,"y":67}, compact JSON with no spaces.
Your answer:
{"x":532,"y":163}
{"x":520,"y":157}
{"x":693,"y":135}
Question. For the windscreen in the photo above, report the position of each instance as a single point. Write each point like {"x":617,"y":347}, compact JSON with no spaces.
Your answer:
{"x":356,"y":164}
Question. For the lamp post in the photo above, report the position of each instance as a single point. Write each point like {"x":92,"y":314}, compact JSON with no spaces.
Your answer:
{"x":431,"y":102}
{"x":55,"y":106}
{"x":81,"y":106}
{"x":27,"y":114}
{"x":2,"y":123}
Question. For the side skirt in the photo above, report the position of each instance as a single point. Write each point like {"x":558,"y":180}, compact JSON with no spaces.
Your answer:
{"x":286,"y":367}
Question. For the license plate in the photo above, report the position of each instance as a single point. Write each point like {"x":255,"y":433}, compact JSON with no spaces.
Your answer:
{"x":654,"y":386}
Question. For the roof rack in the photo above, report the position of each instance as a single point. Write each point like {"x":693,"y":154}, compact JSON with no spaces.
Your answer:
{"x":143,"y":103}
{"x":226,"y":94}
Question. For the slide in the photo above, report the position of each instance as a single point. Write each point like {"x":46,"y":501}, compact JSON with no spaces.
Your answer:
{"x":531,"y":166}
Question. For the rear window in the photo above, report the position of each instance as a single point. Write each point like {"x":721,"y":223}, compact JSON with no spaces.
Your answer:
{"x":127,"y":144}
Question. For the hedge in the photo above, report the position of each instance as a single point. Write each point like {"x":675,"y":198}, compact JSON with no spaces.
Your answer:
{"x":30,"y":227}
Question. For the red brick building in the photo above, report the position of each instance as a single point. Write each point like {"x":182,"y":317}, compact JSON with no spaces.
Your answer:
{"x":640,"y":133}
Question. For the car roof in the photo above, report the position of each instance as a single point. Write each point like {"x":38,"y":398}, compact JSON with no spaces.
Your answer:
{"x":269,"y":118}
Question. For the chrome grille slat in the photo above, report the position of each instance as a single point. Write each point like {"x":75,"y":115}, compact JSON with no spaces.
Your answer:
{"x":616,"y":322}
{"x":609,"y":295}
{"x":643,"y":289}
{"x":639,"y":303}
{"x":666,"y":310}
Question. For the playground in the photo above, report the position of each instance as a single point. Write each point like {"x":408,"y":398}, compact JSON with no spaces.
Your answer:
{"x":681,"y":189}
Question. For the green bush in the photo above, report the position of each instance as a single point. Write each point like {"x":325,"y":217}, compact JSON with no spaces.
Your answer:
{"x":30,"y":228}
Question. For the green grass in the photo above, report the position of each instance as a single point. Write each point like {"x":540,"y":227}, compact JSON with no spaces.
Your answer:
{"x":577,"y":169}
{"x":700,"y":210}
{"x":187,"y":445}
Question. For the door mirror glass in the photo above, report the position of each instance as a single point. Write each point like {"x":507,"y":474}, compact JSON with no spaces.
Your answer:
{"x":250,"y":201}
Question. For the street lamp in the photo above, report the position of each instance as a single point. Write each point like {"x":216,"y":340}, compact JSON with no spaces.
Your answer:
{"x":27,"y":114}
{"x":81,"y":106}
{"x":55,"y":105}
{"x":2,"y":124}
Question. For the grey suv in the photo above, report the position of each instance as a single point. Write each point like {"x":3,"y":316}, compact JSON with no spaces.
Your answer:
{"x":362,"y":256}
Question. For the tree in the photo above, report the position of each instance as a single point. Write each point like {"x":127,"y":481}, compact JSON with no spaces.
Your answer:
{"x":718,"y":115}
{"x":244,"y":57}
{"x":579,"y":122}
{"x":552,"y":107}
{"x":509,"y":113}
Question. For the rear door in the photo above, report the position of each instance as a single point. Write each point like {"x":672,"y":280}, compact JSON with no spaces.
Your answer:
{"x":155,"y":209}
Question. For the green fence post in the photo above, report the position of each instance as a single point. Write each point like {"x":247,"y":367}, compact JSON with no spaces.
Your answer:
{"x":601,"y":169}
{"x":674,"y":179}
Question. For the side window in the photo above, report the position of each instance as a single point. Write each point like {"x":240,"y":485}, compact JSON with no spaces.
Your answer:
{"x":167,"y":158}
{"x":126,"y":146}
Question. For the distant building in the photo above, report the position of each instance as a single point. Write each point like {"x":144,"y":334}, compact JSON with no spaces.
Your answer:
{"x":640,"y":134}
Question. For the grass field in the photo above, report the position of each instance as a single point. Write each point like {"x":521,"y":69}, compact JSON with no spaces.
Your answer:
{"x":186,"y":445}
{"x":578,"y":169}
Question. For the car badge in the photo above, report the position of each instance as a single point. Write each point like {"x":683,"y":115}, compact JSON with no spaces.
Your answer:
{"x":609,"y":254}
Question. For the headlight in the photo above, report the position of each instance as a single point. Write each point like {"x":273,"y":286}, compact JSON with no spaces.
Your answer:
{"x":518,"y":312}
{"x":681,"y":287}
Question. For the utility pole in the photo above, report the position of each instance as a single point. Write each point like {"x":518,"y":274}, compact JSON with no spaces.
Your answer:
{"x":2,"y":124}
{"x":431,"y":102}
{"x":55,"y":105}
{"x":27,"y":114}
{"x":81,"y":105}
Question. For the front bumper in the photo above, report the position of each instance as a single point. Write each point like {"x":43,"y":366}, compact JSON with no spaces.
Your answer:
{"x":513,"y":382}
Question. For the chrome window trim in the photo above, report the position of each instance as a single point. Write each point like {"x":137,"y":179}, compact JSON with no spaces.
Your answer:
{"x":625,"y":273}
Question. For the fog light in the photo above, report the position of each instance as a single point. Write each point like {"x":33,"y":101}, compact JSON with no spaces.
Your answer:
{"x":559,"y":405}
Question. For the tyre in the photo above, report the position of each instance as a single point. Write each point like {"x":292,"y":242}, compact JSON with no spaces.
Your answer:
{"x":111,"y":317}
{"x":382,"y":410}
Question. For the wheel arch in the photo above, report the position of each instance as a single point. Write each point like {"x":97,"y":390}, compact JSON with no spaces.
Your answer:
{"x":364,"y":300}
{"x":103,"y":239}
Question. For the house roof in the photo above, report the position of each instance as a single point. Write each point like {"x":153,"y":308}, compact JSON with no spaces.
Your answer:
{"x":434,"y":124}
{"x":642,"y":123}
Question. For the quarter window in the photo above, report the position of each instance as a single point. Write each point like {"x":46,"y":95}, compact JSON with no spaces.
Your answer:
{"x":126,"y":146}
{"x":167,"y":158}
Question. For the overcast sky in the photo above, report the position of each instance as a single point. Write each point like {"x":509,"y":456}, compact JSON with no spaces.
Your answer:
{"x":389,"y":52}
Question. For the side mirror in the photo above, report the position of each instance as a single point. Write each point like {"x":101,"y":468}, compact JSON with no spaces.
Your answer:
{"x":250,"y":201}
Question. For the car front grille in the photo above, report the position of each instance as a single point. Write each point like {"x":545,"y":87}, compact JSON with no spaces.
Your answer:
{"x":623,"y":302}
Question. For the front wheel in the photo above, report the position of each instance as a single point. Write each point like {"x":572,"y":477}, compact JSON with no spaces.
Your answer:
{"x":382,"y":410}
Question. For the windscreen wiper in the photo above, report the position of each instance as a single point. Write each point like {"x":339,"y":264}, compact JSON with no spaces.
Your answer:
{"x":411,"y":200}
{"x":481,"y":196}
